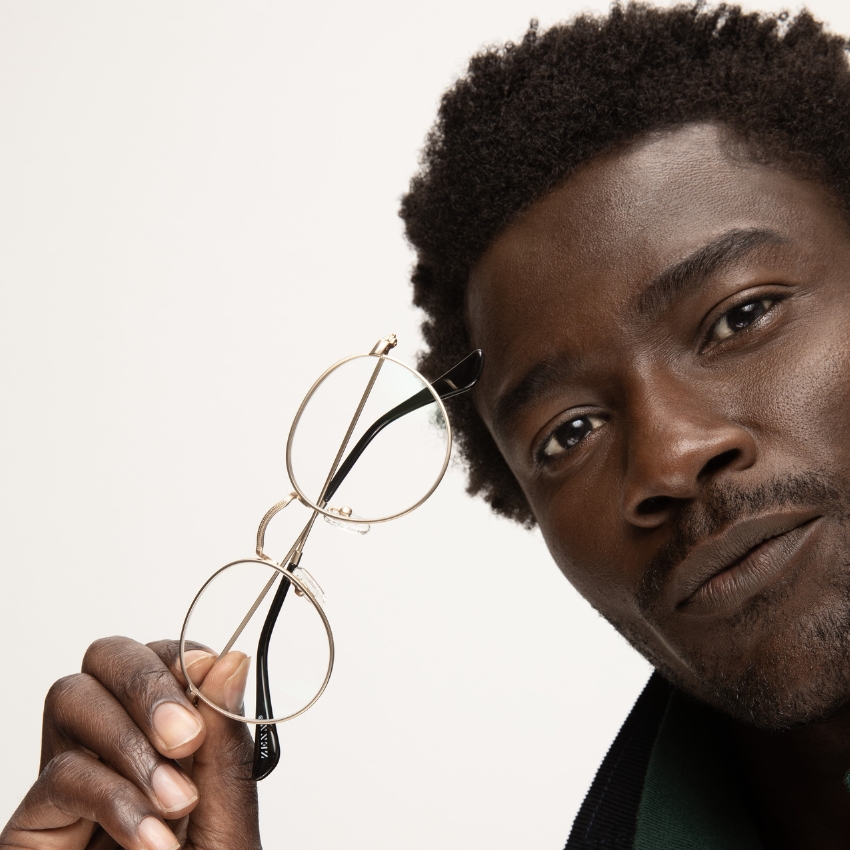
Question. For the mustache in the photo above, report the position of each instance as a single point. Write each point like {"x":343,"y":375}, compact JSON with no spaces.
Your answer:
{"x":721,"y":506}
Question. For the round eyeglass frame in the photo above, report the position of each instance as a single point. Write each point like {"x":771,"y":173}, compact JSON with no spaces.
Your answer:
{"x":367,"y":520}
{"x":303,"y":590}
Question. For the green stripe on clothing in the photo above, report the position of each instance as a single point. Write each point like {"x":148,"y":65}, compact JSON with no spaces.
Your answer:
{"x":692,"y":797}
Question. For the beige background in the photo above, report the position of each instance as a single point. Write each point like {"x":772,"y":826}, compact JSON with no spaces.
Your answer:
{"x":198,"y":215}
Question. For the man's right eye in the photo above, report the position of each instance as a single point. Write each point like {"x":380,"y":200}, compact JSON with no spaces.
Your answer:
{"x":567,"y":435}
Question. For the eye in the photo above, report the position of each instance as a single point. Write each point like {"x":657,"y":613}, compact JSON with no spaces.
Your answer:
{"x":739,"y":318}
{"x":567,"y":435}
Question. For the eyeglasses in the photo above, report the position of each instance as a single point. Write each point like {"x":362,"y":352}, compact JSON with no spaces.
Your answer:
{"x":399,"y":435}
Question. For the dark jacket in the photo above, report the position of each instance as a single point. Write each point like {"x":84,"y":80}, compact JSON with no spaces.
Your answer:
{"x":608,"y":817}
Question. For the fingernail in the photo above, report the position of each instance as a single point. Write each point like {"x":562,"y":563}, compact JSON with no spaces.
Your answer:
{"x":155,"y":835}
{"x":198,"y":663}
{"x":196,"y":656}
{"x":234,"y":687}
{"x":171,"y":789}
{"x":175,"y":725}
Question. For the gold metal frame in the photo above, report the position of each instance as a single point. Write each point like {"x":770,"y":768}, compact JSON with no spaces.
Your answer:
{"x":303,"y":590}
{"x":288,"y":567}
{"x":365,"y":520}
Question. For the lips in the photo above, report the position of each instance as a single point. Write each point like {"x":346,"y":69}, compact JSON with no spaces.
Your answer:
{"x":741,"y":561}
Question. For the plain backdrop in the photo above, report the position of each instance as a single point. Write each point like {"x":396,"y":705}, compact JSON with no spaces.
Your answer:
{"x":197,"y":216}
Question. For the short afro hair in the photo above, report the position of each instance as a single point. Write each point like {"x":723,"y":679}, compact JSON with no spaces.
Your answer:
{"x":525,"y":116}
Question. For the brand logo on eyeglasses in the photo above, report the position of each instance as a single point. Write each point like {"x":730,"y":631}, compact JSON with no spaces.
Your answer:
{"x":377,"y":406}
{"x":263,"y":737}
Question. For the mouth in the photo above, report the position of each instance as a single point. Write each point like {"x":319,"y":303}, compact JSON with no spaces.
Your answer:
{"x":745,"y":559}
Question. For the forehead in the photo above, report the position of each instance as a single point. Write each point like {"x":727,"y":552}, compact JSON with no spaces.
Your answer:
{"x":570,"y":264}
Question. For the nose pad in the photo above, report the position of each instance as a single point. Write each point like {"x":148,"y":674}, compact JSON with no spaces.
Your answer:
{"x":344,"y":514}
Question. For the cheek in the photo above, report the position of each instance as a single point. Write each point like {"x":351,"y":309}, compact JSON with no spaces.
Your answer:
{"x":803,"y":399}
{"x":583,"y":533}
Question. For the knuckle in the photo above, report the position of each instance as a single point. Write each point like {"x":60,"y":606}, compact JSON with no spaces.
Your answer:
{"x":132,"y":671}
{"x":167,"y":649}
{"x":135,"y":751}
{"x":102,"y":649}
{"x":120,"y":801}
{"x":63,"y":692}
{"x":66,"y":769}
{"x":144,"y":686}
{"x":75,"y":782}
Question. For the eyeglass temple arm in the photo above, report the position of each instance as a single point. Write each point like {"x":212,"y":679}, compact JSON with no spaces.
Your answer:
{"x":459,"y":379}
{"x":266,"y":741}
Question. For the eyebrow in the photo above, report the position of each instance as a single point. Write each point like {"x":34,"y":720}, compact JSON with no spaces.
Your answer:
{"x":689,"y":274}
{"x":535,"y":385}
{"x":672,"y":283}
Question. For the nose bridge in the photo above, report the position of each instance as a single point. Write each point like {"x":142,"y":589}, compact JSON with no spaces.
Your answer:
{"x":679,"y":435}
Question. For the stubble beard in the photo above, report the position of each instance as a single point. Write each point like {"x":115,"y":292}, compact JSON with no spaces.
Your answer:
{"x":777,"y":667}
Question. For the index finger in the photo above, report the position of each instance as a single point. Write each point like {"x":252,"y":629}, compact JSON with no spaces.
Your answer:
{"x":149,"y":692}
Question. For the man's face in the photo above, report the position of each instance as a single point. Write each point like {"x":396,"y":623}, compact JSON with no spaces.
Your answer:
{"x":668,"y":376}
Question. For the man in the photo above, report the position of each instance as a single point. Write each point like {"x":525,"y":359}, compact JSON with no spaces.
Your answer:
{"x":642,"y":220}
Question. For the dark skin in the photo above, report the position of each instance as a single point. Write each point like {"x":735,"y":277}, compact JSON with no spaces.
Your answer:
{"x":685,"y":452}
{"x":668,"y":377}
{"x":111,"y":741}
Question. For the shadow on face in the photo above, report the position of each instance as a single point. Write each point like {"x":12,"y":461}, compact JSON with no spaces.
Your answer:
{"x":669,"y":380}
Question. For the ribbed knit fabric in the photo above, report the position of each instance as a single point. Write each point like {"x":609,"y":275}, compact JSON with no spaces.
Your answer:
{"x":608,"y":817}
{"x":693,"y":795}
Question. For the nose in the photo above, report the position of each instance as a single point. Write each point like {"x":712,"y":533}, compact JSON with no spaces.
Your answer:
{"x":677,"y":443}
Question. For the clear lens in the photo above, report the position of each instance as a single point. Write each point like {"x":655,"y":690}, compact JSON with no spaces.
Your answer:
{"x":298,"y":652}
{"x":398,"y":463}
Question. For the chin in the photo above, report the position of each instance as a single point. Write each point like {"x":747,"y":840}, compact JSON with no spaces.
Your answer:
{"x":772,"y":666}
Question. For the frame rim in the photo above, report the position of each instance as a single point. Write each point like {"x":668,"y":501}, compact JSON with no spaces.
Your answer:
{"x":318,"y":382}
{"x":305,"y":590}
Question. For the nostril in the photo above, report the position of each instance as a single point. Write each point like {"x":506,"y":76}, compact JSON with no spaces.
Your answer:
{"x":719,"y":462}
{"x":653,"y":505}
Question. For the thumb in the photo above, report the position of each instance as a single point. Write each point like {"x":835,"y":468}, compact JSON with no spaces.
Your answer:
{"x":226,"y":817}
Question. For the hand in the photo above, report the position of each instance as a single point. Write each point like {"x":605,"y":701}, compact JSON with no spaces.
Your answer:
{"x":111,"y":740}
